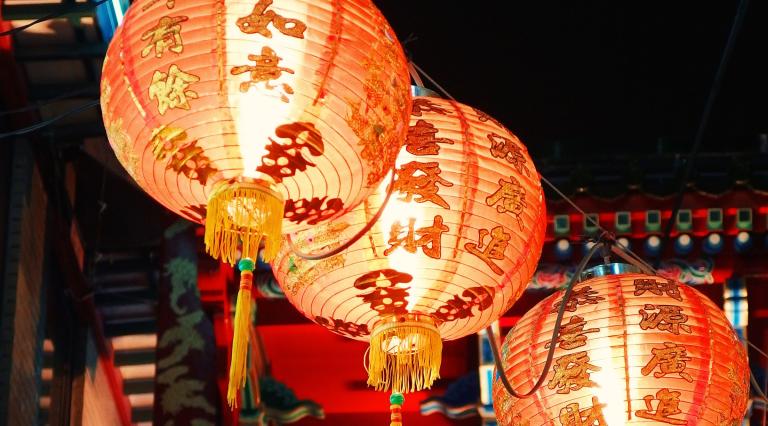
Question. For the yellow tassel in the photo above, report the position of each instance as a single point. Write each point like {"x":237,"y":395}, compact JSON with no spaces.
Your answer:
{"x":239,"y":215}
{"x":404,"y":356}
{"x":238,"y":366}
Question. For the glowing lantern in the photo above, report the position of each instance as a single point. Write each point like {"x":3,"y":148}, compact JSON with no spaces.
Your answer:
{"x":451,"y":251}
{"x":633,"y":349}
{"x":255,"y":111}
{"x":252,"y":116}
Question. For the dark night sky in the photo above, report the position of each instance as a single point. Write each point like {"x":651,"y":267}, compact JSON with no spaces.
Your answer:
{"x":607,"y":73}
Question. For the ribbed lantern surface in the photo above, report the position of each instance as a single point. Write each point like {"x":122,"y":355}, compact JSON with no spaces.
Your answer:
{"x":255,"y":107}
{"x":453,"y":249}
{"x":633,"y":349}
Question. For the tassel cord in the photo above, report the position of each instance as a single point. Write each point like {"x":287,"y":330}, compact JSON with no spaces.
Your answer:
{"x":239,"y":363}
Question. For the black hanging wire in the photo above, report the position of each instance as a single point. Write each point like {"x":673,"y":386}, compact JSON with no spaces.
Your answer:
{"x":37,"y":105}
{"x":608,"y":243}
{"x":717,"y":83}
{"x":50,"y":121}
{"x":354,"y":239}
{"x":502,"y":372}
{"x":65,"y":10}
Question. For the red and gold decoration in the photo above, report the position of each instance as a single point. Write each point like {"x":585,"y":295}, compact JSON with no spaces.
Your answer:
{"x":255,"y":116}
{"x":632,"y":349}
{"x":451,"y":251}
{"x":252,"y":116}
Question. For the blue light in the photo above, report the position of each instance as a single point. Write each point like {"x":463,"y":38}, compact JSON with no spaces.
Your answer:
{"x":653,"y":246}
{"x":683,"y":244}
{"x":742,"y":242}
{"x":563,"y":249}
{"x":713,"y":244}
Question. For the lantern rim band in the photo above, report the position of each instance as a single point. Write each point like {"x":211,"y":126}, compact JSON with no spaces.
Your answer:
{"x":608,"y":269}
{"x":409,"y":320}
{"x":254,"y":184}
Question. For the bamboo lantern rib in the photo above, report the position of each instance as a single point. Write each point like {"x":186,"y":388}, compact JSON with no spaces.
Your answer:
{"x":632,"y":349}
{"x":450,"y":252}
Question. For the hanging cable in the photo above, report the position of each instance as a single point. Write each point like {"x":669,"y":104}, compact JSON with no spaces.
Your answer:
{"x":738,"y":20}
{"x":50,"y":121}
{"x":644,"y":265}
{"x":63,"y":12}
{"x":502,"y":372}
{"x":355,"y":238}
{"x":37,"y":105}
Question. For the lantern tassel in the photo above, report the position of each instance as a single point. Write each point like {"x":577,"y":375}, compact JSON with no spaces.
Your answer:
{"x":238,"y":365}
{"x":404,"y":356}
{"x":239,"y":215}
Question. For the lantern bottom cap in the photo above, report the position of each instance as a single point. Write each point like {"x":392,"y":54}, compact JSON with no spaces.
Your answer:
{"x":241,"y":214}
{"x":405,"y":355}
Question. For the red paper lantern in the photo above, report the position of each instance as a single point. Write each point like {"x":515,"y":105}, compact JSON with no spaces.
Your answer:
{"x":255,"y":116}
{"x":240,"y":113}
{"x":451,"y":252}
{"x":633,"y":349}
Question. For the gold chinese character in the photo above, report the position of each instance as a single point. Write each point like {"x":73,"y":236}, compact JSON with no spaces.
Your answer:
{"x":503,"y":147}
{"x":423,"y":184}
{"x":422,"y":140}
{"x":580,"y":296}
{"x":570,"y":415}
{"x":166,"y":35}
{"x":260,"y":18}
{"x":670,"y":359}
{"x":284,"y":159}
{"x":667,"y":287}
{"x":311,"y":211}
{"x":483,"y":117}
{"x":425,"y":105}
{"x":511,"y":198}
{"x":430,"y":237}
{"x":388,"y":294}
{"x":461,"y":307}
{"x":171,"y":89}
{"x":170,"y":143}
{"x":168,"y":3}
{"x":494,"y":250}
{"x":571,"y":373}
{"x":667,"y":405}
{"x":266,"y":69}
{"x":669,"y":318}
{"x":572,"y":335}
{"x":518,"y":421}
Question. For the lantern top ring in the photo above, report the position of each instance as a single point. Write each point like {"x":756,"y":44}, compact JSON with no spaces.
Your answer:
{"x":423,"y":91}
{"x":609,"y":269}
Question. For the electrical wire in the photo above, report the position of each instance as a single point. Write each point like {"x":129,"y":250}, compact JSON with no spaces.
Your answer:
{"x":502,"y":372}
{"x":64,"y":11}
{"x":553,"y":187}
{"x":738,"y":20}
{"x":354,"y":238}
{"x":37,"y":105}
{"x":50,"y":121}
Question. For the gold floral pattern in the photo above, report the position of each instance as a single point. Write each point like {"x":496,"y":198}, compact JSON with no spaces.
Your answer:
{"x":380,"y":121}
